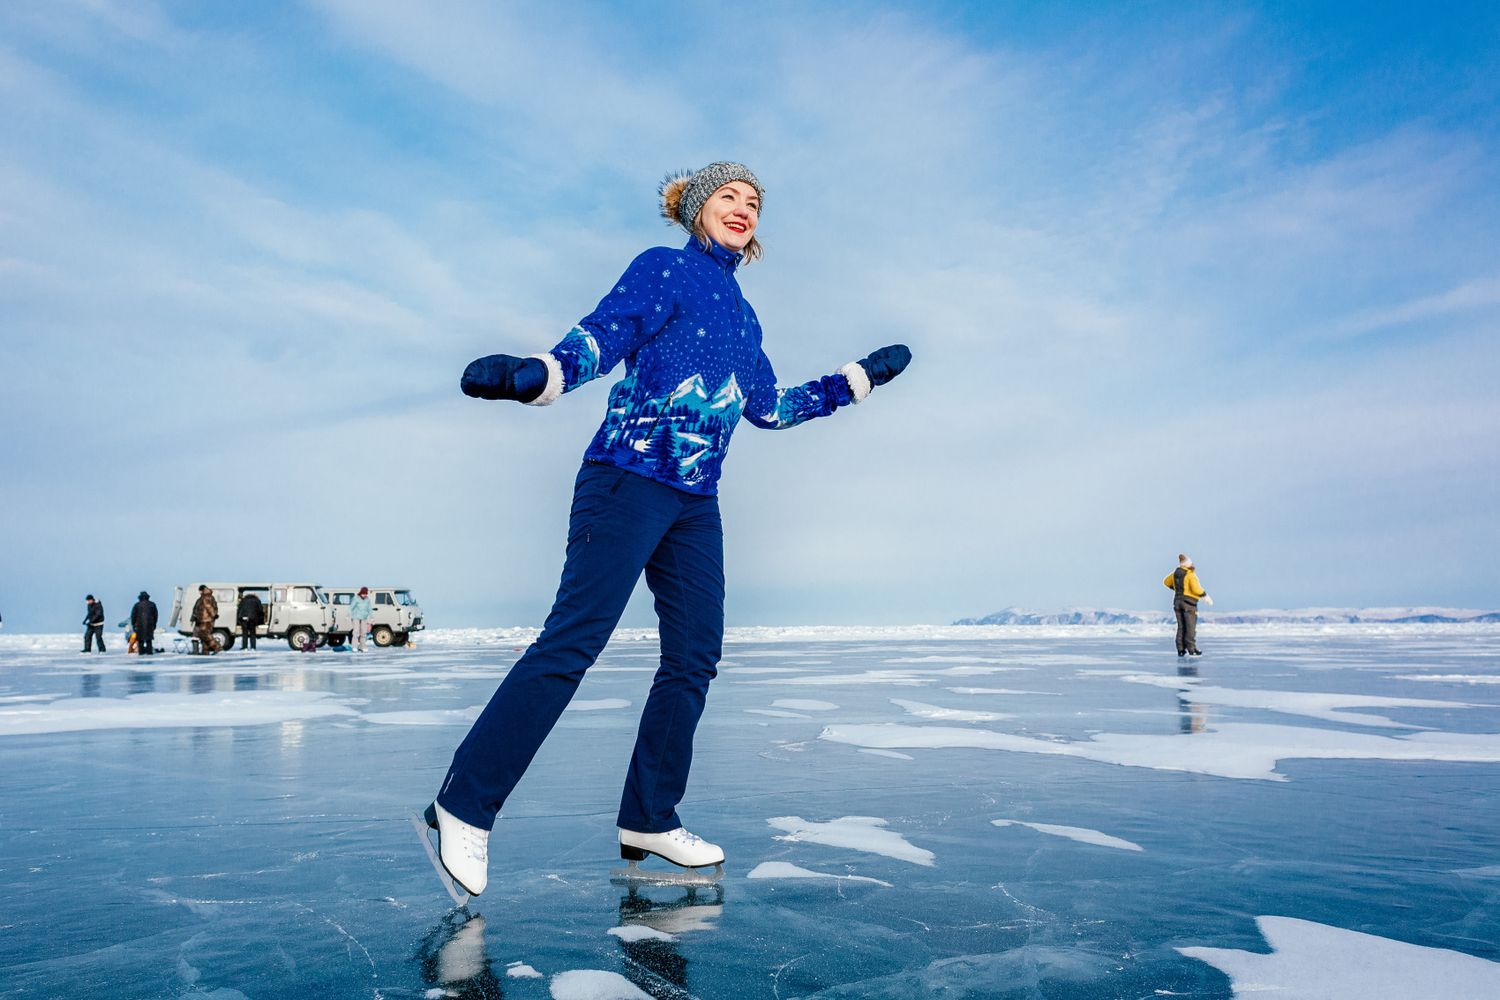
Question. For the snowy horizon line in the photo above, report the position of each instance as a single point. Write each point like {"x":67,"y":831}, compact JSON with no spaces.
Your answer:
{"x":1036,"y":625}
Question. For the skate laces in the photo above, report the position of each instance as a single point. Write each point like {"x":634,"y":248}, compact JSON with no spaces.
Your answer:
{"x":474,"y":841}
{"x":687,"y":838}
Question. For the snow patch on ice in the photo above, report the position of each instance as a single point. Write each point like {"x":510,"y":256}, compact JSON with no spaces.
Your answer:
{"x":1451,"y":678}
{"x":901,"y":678}
{"x":1081,"y":834}
{"x":167,"y":711}
{"x":857,"y":833}
{"x":979,"y":671}
{"x":1242,"y":750}
{"x":922,"y":710}
{"x":804,"y":705}
{"x":1316,"y":705}
{"x":597,"y":704}
{"x":886,"y":753}
{"x":594,"y":984}
{"x":520,"y":970}
{"x":640,"y":932}
{"x":1315,"y":961}
{"x":944,"y":659}
{"x":427,"y":717}
{"x":782,"y":869}
{"x":994,"y":691}
{"x":774,"y":713}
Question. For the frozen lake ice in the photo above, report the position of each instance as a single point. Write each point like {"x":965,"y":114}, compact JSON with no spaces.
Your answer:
{"x":963,"y":812}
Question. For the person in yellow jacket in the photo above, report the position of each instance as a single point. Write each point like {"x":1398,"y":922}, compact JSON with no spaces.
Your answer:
{"x":1187,"y":592}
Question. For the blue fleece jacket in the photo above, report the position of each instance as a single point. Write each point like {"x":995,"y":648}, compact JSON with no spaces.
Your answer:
{"x":693,"y":367}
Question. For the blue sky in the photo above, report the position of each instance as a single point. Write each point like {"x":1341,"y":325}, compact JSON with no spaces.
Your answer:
{"x":1214,"y":277}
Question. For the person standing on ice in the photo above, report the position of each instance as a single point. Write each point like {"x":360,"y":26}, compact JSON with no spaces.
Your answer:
{"x":93,"y":623}
{"x":359,"y":614}
{"x":646,"y":500}
{"x":205,"y":615}
{"x":143,"y":620}
{"x":251,"y":615}
{"x":1186,"y":593}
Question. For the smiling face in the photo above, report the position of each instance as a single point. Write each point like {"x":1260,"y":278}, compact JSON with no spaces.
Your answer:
{"x":730,"y":215}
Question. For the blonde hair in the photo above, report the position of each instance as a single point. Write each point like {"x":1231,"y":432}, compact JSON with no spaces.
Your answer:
{"x":752,"y":252}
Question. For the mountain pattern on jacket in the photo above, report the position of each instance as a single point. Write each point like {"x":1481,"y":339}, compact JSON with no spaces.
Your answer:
{"x":694,"y":366}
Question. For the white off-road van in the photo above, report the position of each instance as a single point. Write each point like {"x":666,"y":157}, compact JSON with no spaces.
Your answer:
{"x":394,"y":615}
{"x":296,"y":612}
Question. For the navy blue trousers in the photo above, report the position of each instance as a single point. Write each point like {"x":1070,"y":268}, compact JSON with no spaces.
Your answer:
{"x":621,"y":524}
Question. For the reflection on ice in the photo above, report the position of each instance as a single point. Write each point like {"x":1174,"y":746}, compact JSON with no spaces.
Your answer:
{"x":1318,"y":962}
{"x":1317,"y":705}
{"x":649,"y":930}
{"x":453,"y":958}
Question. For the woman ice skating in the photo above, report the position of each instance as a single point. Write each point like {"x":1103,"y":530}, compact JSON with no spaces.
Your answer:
{"x":1186,"y":593}
{"x":645,"y":500}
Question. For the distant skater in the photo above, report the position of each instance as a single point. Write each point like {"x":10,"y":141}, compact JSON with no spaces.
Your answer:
{"x":143,"y":621}
{"x":1186,"y":593}
{"x":646,"y":500}
{"x":93,"y":624}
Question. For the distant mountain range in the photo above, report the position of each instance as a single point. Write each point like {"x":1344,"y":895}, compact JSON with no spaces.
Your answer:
{"x":1292,"y":616}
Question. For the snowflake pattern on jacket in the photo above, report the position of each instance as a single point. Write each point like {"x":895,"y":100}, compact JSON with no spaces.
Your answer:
{"x":693,"y":367}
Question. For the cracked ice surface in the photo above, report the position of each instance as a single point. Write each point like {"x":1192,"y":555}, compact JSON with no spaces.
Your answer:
{"x":237,"y":825}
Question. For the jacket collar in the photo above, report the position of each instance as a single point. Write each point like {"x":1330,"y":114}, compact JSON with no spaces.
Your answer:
{"x":722,"y":256}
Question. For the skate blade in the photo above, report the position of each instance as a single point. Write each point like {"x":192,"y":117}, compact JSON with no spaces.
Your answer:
{"x":459,"y":897}
{"x":633,"y":874}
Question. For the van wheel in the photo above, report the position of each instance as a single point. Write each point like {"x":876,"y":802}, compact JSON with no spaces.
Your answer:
{"x":224,"y":638}
{"x":399,"y":638}
{"x":300,"y":636}
{"x":382,"y":635}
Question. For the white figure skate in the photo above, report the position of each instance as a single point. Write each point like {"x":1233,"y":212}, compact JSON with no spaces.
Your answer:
{"x":461,"y":859}
{"x":690,"y":853}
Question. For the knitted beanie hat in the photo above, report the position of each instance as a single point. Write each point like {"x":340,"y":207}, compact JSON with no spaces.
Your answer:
{"x":683,"y":194}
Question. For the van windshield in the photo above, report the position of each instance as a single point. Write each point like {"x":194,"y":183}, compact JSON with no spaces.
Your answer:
{"x":404,"y":598}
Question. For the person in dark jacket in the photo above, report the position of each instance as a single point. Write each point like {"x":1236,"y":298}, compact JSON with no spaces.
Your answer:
{"x":93,"y":624}
{"x":251,"y":615}
{"x":143,"y":621}
{"x":645,"y":501}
